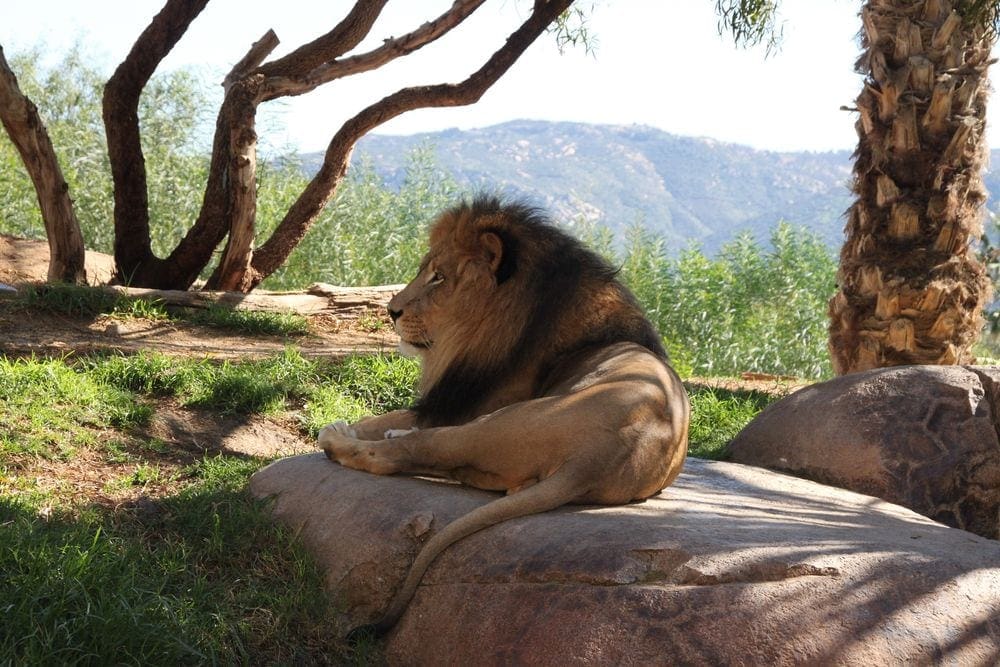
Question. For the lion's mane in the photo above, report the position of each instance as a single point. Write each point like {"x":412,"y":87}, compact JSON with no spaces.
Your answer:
{"x":551,"y":300}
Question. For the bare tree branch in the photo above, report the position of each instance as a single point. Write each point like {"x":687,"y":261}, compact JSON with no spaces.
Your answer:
{"x":133,"y":255}
{"x":389,"y":51}
{"x":235,"y":270}
{"x":259,"y":50}
{"x":20,"y":119}
{"x":306,"y":208}
{"x":348,"y":34}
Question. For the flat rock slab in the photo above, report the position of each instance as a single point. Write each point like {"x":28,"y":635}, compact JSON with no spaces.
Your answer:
{"x":731,"y":565}
{"x":924,"y":437}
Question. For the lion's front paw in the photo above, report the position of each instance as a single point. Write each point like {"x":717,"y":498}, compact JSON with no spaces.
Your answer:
{"x":342,"y":447}
{"x":335,"y":438}
{"x":340,"y":427}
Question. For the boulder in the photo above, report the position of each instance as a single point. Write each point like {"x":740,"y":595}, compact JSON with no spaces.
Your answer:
{"x":924,"y":437}
{"x":730,"y":565}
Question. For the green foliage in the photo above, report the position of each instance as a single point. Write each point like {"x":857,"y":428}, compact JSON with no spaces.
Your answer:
{"x":360,"y":386}
{"x":371,"y":234}
{"x":71,"y":300}
{"x":257,"y":386}
{"x":68,"y":96}
{"x":85,"y":302}
{"x":717,"y":415}
{"x":751,"y":22}
{"x":203,"y":576}
{"x":572,"y":28}
{"x":251,"y":322}
{"x":349,"y":389}
{"x":749,"y":309}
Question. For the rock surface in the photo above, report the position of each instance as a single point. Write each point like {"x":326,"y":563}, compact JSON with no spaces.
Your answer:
{"x":924,"y":437}
{"x":731,"y":565}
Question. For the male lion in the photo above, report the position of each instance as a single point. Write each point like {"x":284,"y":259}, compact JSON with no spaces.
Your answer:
{"x":541,"y":377}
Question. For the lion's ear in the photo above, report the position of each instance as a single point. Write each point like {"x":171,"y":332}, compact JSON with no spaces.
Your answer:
{"x":492,"y":249}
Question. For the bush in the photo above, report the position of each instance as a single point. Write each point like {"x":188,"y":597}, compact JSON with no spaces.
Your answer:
{"x":371,"y":234}
{"x":749,"y":309}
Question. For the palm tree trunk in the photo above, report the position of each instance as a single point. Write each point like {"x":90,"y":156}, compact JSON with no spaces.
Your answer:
{"x":910,"y":289}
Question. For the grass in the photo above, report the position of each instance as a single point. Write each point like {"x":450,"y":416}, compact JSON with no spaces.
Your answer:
{"x":85,"y":302}
{"x":202,"y":577}
{"x":49,"y":410}
{"x":167,"y":559}
{"x":251,"y":322}
{"x":717,"y":415}
{"x":170,"y":561}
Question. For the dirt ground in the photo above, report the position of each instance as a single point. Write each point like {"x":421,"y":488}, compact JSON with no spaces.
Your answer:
{"x":25,"y":261}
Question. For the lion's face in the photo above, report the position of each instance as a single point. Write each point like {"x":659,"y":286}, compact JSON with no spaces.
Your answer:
{"x":450,"y":293}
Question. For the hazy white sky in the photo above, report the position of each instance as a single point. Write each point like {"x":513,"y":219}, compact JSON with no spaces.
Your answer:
{"x":658,"y":62}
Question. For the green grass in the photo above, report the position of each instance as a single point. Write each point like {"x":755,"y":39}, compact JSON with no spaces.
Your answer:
{"x":86,"y":302}
{"x":202,"y":576}
{"x":71,"y":300}
{"x":251,"y":322}
{"x":49,"y":409}
{"x":249,"y":387}
{"x":717,"y":415}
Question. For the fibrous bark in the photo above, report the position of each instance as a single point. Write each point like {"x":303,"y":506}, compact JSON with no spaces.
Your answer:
{"x":910,"y":289}
{"x":20,"y":119}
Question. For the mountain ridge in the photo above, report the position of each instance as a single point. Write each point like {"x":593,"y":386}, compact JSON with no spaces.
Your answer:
{"x":687,"y":189}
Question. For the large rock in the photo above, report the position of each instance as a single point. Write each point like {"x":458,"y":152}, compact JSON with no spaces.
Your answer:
{"x":731,"y":565}
{"x":924,"y":437}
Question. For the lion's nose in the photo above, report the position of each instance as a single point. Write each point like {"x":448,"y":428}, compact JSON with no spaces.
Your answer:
{"x":394,"y":314}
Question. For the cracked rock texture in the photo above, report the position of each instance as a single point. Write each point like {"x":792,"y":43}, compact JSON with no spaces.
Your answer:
{"x":924,"y":437}
{"x":730,"y":565}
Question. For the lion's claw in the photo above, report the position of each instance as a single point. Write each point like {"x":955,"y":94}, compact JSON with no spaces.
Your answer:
{"x":399,"y":432}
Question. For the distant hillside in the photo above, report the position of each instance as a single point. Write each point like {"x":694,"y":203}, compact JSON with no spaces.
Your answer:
{"x":687,"y":189}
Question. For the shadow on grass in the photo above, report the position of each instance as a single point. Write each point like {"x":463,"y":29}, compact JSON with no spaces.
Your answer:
{"x":717,"y":415}
{"x":202,"y":576}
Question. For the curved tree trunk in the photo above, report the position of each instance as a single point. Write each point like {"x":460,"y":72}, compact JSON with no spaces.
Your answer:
{"x":19,"y":117}
{"x":134,"y":259}
{"x":910,"y":289}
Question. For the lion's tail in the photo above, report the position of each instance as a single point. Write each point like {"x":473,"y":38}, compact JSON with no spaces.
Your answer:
{"x":552,"y":492}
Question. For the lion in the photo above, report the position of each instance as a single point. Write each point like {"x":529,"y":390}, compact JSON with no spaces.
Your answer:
{"x":540,"y":377}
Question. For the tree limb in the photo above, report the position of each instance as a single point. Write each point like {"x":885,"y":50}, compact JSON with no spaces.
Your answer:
{"x":306,"y":208}
{"x":344,"y":37}
{"x":389,"y":51}
{"x":259,"y":50}
{"x":235,"y":270}
{"x":20,"y":119}
{"x":133,"y":255}
{"x":228,"y":205}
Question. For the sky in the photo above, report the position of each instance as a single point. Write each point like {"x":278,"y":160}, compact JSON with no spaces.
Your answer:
{"x":660,"y":63}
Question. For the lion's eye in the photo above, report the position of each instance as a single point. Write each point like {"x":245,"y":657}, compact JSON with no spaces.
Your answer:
{"x":436,"y":278}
